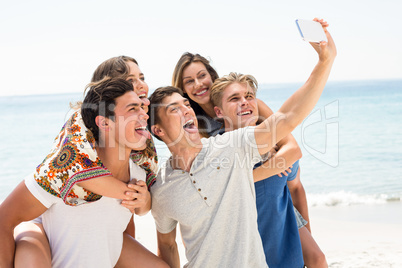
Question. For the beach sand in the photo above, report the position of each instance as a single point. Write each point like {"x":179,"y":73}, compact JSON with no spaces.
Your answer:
{"x":359,"y":235}
{"x":350,"y":236}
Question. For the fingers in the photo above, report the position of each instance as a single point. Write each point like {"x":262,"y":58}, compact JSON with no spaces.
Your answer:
{"x":139,"y":186}
{"x":135,"y":199}
{"x":324,"y":24}
{"x":128,"y":195}
{"x":140,"y":191}
{"x":286,"y":172}
{"x":135,"y":195}
{"x":323,"y":45}
{"x":137,"y":182}
{"x":131,"y":205}
{"x":131,"y":195}
{"x":141,"y":183}
{"x":137,"y":192}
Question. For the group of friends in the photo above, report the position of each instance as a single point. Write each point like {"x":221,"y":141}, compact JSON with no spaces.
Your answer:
{"x":232,"y":181}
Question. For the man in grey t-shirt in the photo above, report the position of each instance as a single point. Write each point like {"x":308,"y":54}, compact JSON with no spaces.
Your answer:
{"x":207,"y":184}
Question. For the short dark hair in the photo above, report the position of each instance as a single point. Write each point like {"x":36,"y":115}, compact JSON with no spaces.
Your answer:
{"x":156,"y":100}
{"x":101,"y":100}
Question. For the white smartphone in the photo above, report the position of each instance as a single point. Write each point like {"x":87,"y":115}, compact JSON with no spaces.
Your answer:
{"x":311,"y":31}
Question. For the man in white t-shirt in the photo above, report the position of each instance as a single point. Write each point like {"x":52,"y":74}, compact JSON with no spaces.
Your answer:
{"x":207,"y":185}
{"x":89,"y":235}
{"x":93,"y":230}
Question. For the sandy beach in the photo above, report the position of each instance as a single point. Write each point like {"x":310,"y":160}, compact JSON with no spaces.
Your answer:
{"x":360,"y":235}
{"x":350,"y":236}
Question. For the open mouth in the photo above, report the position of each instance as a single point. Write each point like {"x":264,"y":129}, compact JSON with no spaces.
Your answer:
{"x":201,"y":93}
{"x":243,"y":113}
{"x":143,"y":95}
{"x":143,"y":132}
{"x":190,"y":126}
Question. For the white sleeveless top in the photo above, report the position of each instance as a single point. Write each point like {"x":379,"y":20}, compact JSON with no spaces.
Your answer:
{"x":89,"y":235}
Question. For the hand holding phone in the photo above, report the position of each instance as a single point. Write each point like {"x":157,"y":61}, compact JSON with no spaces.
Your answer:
{"x":311,"y":31}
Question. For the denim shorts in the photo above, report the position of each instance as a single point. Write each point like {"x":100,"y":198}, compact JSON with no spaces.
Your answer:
{"x":299,"y":219}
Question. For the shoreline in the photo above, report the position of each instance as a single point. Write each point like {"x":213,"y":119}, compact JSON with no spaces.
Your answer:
{"x":350,"y":236}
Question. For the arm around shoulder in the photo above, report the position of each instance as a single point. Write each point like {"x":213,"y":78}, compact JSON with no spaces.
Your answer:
{"x":289,"y":152}
{"x":107,"y":186}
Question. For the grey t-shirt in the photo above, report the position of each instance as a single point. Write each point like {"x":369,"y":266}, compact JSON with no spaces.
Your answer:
{"x":214,"y":203}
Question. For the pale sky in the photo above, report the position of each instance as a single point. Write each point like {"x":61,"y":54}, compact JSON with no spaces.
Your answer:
{"x":54,"y":46}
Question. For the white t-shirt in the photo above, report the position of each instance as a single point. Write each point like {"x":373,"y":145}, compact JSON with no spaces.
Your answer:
{"x":88,"y":235}
{"x":214,"y":203}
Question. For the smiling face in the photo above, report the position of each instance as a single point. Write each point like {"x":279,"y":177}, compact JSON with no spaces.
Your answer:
{"x":197,"y":82}
{"x":239,"y":107}
{"x":137,"y":78}
{"x":130,"y":121}
{"x":177,"y":121}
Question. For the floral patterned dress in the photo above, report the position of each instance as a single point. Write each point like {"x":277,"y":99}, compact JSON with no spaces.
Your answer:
{"x":73,"y":159}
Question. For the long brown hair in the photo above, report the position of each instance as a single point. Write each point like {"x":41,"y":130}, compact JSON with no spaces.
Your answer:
{"x":113,"y":67}
{"x":177,"y":81}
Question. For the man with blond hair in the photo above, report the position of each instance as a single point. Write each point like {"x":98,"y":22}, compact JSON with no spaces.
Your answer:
{"x":207,"y":185}
{"x":234,"y":100}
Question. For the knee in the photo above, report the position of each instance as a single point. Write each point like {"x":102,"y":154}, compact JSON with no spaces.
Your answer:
{"x":318,"y":260}
{"x":31,"y":247}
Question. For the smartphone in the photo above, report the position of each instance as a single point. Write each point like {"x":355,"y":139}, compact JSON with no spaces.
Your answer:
{"x":311,"y":31}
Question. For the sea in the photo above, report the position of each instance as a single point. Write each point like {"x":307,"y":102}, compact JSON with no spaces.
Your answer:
{"x":351,"y":142}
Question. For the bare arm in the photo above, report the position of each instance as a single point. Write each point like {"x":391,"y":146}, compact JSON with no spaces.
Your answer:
{"x":299,"y":198}
{"x":19,"y":206}
{"x":167,"y":248}
{"x":108,"y":186}
{"x":288,"y":153}
{"x":301,"y":103}
{"x":135,"y":196}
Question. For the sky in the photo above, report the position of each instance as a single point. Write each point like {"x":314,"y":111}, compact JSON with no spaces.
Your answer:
{"x":54,"y":46}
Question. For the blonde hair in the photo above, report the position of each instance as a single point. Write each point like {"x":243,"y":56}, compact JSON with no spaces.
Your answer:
{"x":220,"y":84}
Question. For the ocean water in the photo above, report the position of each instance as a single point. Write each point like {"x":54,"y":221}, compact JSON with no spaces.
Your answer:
{"x":351,"y":142}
